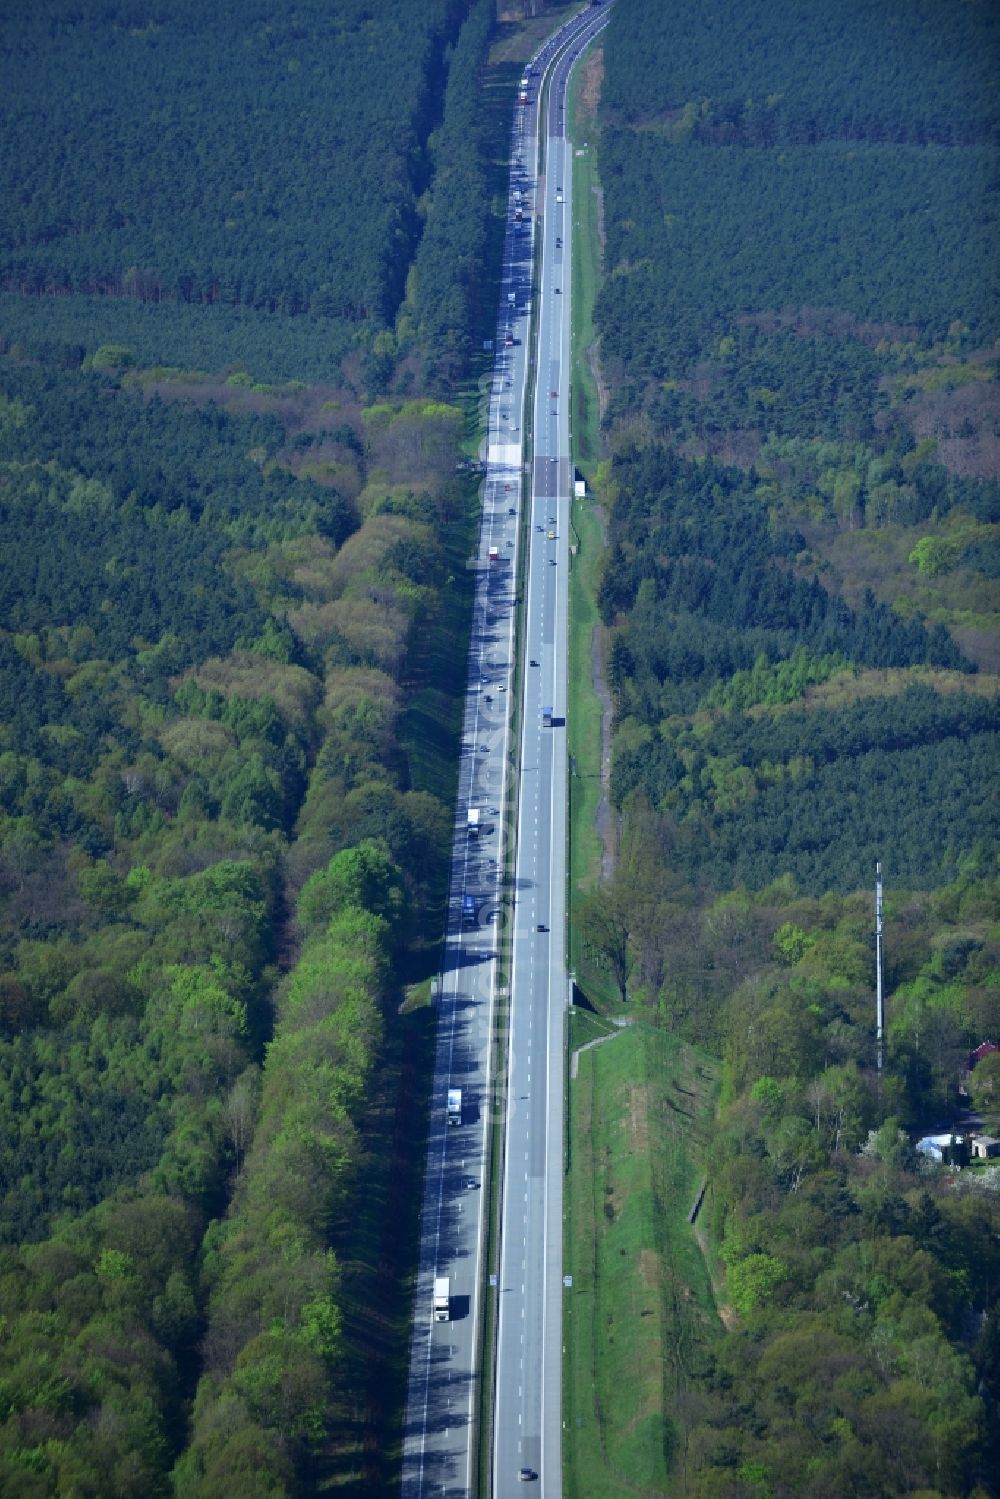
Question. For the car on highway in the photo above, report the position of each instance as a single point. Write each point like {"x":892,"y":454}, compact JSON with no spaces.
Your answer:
{"x":439,"y":1446}
{"x":550,"y":533}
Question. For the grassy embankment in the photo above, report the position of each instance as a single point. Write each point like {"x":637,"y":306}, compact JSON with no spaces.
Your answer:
{"x":639,"y":1110}
{"x":641,"y":1304}
{"x":584,"y":716}
{"x":517,"y":40}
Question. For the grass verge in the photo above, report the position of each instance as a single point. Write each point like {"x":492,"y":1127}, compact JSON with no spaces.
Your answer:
{"x":640,"y":1109}
{"x":583,"y":719}
{"x":586,"y":276}
{"x":516,"y":41}
{"x":583,"y":723}
{"x":641,"y":1307}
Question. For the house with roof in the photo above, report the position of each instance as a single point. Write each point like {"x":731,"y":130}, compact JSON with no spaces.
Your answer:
{"x":949,"y":1149}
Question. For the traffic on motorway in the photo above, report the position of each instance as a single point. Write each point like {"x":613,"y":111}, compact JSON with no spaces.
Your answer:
{"x":444,"y":1421}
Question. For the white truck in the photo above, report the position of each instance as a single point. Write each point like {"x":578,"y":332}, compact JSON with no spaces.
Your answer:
{"x":442,"y":1298}
{"x":454,"y":1105}
{"x":473,"y":825}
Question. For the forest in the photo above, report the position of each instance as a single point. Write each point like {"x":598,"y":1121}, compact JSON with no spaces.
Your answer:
{"x":245,"y":273}
{"x":719,"y":637}
{"x":234,"y":189}
{"x":217,"y":865}
{"x":888,"y":234}
{"x":917,"y":72}
{"x":797,"y":329}
{"x":222,"y":847}
{"x":327,"y":195}
{"x":786,"y":242}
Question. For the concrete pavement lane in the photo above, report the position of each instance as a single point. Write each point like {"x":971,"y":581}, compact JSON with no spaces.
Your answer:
{"x":528,"y":1405}
{"x":440,"y":1438}
{"x":440,"y":1435}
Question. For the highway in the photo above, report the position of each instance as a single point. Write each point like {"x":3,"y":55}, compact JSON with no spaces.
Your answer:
{"x":527,"y":1425}
{"x":440,"y":1433}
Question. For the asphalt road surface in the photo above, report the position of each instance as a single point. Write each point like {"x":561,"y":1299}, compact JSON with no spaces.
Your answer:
{"x":440,"y":1436}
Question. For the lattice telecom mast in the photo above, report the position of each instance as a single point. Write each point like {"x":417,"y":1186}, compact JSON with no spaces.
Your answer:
{"x":879,"y":1004}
